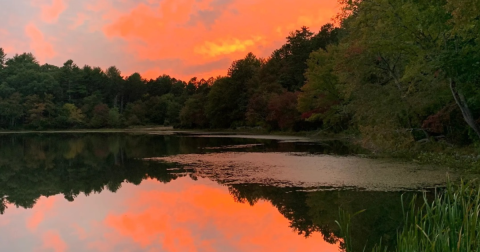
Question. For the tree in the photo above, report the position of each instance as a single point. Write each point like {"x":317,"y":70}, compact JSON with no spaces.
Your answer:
{"x":221,"y":104}
{"x":193,"y":114}
{"x":292,"y":56}
{"x":162,"y":85}
{"x":11,"y":110}
{"x":134,"y":88}
{"x":39,"y":110}
{"x":75,"y":115}
{"x":70,"y":82}
{"x":173,"y":107}
{"x":135,"y":113}
{"x":3,"y":57}
{"x":321,"y":99}
{"x":114,"y":117}
{"x":228,"y":98}
{"x":114,"y":91}
{"x":388,"y":66}
{"x":282,"y":111}
{"x":100,"y":116}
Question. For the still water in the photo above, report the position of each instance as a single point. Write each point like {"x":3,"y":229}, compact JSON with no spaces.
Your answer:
{"x":141,"y":192}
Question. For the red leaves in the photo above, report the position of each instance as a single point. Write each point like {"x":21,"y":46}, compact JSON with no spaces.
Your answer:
{"x":282,"y":110}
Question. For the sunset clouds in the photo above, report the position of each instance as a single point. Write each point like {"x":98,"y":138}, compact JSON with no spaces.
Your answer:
{"x":50,"y":9}
{"x":183,"y":38}
{"x":41,"y":48}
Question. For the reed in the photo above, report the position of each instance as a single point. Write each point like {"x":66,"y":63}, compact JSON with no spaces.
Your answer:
{"x":448,"y":223}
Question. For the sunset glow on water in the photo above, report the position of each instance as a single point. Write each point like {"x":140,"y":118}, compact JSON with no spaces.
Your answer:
{"x":183,"y":215}
{"x":112,"y":192}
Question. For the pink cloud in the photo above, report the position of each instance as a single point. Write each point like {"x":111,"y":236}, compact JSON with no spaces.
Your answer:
{"x":51,"y":10}
{"x":7,"y":46}
{"x":78,"y":21}
{"x":79,"y":231}
{"x":44,"y":206}
{"x":53,"y":240}
{"x":41,"y":47}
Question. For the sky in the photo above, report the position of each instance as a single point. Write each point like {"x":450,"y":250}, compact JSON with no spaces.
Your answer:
{"x":181,"y":38}
{"x":183,"y":215}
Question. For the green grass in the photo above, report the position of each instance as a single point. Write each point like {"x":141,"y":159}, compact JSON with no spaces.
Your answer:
{"x":450,"y":222}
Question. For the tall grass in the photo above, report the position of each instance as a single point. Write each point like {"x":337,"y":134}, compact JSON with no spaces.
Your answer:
{"x":448,"y":223}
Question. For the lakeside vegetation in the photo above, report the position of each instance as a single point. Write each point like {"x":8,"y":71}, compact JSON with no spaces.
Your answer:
{"x":401,"y":75}
{"x":448,"y":222}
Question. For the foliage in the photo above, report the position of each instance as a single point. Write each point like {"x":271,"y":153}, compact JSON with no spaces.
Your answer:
{"x":448,"y":222}
{"x":282,"y":111}
{"x":395,"y":72}
{"x":193,"y":114}
{"x":75,"y":116}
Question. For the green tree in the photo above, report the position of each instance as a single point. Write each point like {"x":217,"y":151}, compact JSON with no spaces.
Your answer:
{"x":228,"y":99}
{"x":39,"y":111}
{"x":3,"y":57}
{"x":70,"y":82}
{"x":11,"y":110}
{"x":100,"y":116}
{"x":114,"y":90}
{"x":221,"y":103}
{"x":75,"y":115}
{"x":322,"y":99}
{"x":114,"y":117}
{"x":173,"y":107}
{"x":193,"y":114}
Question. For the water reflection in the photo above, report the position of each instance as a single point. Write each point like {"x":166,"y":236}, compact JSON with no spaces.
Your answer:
{"x":171,"y":210}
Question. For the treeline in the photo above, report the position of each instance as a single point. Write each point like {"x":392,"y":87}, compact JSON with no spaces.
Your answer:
{"x":256,"y":92}
{"x":44,"y":96}
{"x":396,"y":72}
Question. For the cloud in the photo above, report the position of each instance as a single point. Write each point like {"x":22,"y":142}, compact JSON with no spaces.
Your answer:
{"x":226,"y":46}
{"x":203,"y":31}
{"x":79,"y":231}
{"x":78,"y":21}
{"x":182,"y":38}
{"x":209,"y":14}
{"x":41,"y":47}
{"x":51,"y":10}
{"x":7,"y":46}
{"x":44,"y":206}
{"x":53,"y":240}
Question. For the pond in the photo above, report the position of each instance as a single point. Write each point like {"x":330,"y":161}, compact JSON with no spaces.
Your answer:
{"x":196,"y":192}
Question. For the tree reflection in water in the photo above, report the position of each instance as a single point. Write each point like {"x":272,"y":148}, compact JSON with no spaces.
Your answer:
{"x":36,"y":165}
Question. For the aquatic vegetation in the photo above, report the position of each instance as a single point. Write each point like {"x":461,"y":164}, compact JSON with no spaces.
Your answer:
{"x":448,"y":222}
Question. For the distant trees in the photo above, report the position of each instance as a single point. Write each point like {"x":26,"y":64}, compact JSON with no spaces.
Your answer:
{"x":38,"y":96}
{"x":252,"y":94}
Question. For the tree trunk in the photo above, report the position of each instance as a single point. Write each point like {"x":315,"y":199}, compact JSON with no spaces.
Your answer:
{"x":121,"y":105}
{"x":115,"y":101}
{"x":462,"y":104}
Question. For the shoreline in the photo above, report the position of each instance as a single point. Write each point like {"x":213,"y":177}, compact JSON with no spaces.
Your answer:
{"x":456,"y":158}
{"x":304,"y":135}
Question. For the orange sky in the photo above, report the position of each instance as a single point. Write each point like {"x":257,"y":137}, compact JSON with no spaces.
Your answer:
{"x":183,"y":38}
{"x":183,"y":215}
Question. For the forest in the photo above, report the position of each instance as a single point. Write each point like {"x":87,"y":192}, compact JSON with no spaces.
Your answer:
{"x":393,"y":72}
